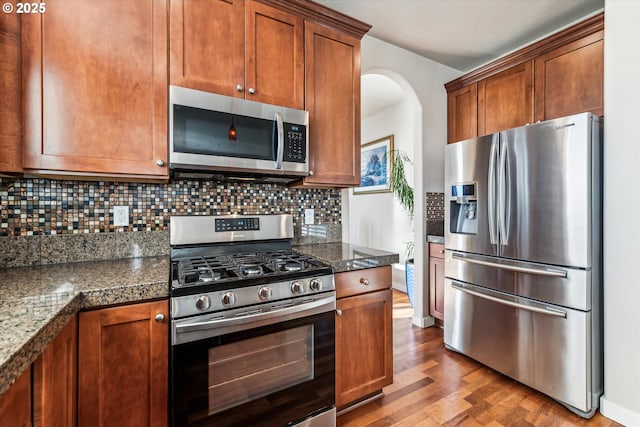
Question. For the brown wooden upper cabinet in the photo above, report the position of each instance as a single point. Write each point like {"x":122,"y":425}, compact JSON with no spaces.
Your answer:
{"x":505,"y":100}
{"x":568,"y":69}
{"x":332,"y":79}
{"x":94,"y":81}
{"x":462,"y":108}
{"x":569,"y":79}
{"x":236,"y":48}
{"x":10,"y":102}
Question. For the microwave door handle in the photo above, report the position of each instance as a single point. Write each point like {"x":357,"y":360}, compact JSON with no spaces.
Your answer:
{"x":280,"y":140}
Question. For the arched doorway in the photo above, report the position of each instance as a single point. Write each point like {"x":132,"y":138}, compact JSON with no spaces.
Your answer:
{"x":390,"y":106}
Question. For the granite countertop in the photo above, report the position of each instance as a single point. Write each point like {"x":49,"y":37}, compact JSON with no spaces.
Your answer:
{"x":435,"y":239}
{"x":346,"y":257}
{"x":37,"y":302}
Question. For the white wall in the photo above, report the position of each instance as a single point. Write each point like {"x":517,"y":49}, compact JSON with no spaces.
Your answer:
{"x":378,"y":220}
{"x":621,"y":400}
{"x":422,"y":80}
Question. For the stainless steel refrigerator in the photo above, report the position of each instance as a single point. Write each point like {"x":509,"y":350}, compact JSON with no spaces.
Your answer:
{"x":523,"y":259}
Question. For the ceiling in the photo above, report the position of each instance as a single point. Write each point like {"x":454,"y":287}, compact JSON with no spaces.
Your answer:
{"x":462,"y":34}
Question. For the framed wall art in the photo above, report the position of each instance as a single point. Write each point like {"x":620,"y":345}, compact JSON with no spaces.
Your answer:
{"x":375,"y":166}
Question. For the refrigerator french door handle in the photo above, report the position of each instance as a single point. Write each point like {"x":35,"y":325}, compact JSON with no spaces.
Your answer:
{"x":502,"y":196}
{"x":533,"y":307}
{"x":491,"y":185}
{"x":517,"y":268}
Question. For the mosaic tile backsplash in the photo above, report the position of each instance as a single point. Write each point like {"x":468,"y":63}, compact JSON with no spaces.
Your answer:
{"x":48,"y":207}
{"x":50,"y":222}
{"x":435,"y":214}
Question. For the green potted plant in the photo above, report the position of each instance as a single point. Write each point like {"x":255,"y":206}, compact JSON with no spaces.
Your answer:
{"x":404,"y":193}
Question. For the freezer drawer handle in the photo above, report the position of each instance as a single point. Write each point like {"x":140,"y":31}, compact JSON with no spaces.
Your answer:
{"x":519,"y":269}
{"x":479,"y":294}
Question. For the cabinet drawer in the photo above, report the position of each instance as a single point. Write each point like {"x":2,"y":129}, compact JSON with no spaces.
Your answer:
{"x":436,"y":250}
{"x":362,"y":281}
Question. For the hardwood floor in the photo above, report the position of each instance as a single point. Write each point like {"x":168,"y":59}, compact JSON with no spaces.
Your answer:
{"x":436,"y":387}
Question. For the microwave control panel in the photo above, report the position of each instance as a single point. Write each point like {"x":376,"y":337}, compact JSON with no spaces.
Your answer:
{"x":295,"y":143}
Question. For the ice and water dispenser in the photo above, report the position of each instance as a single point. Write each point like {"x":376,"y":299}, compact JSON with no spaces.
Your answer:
{"x":463,"y":209}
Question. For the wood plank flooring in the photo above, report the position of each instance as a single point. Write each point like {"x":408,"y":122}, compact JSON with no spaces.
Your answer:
{"x":436,"y":387}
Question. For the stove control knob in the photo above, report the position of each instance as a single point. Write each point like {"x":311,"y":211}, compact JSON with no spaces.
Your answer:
{"x":264,"y":293}
{"x":203,"y":303}
{"x":297,"y":288}
{"x":228,"y":299}
{"x":315,"y":284}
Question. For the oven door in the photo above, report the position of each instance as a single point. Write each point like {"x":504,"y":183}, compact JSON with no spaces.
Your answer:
{"x":258,"y":372}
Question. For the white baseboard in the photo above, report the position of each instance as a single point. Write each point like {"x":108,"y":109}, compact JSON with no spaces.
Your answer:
{"x":619,"y":413}
{"x":423,"y":322}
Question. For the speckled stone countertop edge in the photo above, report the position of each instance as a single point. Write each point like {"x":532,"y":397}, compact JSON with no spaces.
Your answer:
{"x":347,"y":257}
{"x":22,"y":359}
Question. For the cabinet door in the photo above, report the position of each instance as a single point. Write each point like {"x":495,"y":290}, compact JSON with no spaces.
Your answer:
{"x":207,"y":45}
{"x":436,"y":287}
{"x":570,"y":80}
{"x":10,"y":103}
{"x":505,"y":100}
{"x":332,"y":80}
{"x":123,"y":366}
{"x":462,"y":111}
{"x":274,"y":56}
{"x":54,"y":380}
{"x":95,"y":87}
{"x":364,"y":346}
{"x":15,"y":403}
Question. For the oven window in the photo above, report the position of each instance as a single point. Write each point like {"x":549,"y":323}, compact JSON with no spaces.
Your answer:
{"x":250,"y":369}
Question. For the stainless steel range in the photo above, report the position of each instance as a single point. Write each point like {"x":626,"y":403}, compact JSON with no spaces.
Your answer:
{"x":252,"y":325}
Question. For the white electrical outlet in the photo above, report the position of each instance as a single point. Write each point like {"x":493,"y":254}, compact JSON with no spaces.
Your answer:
{"x":121,"y":216}
{"x":309,"y":216}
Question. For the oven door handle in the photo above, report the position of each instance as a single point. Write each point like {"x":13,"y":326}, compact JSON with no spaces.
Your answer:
{"x":193,"y":330}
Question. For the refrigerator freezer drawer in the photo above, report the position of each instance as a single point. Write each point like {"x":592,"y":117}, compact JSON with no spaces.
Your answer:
{"x":545,"y":347}
{"x":567,"y":287}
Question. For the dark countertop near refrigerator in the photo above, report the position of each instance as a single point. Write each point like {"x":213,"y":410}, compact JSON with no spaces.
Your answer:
{"x":347,"y":257}
{"x":36,"y":302}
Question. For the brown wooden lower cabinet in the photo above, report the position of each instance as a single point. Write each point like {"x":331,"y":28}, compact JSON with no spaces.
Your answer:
{"x":55,"y":380}
{"x":123,"y":366}
{"x":15,"y":403}
{"x":364,"y":340}
{"x":436,"y":280}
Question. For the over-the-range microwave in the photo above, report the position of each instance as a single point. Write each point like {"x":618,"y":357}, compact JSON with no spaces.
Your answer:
{"x":221,"y":134}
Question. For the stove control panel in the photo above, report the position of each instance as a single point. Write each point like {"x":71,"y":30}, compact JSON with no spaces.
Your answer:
{"x":224,"y":299}
{"x":237,"y":224}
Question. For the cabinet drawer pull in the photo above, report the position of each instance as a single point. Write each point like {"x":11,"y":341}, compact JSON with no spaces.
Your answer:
{"x":239,"y":88}
{"x":159,"y":317}
{"x":339,"y":312}
{"x":160,"y":162}
{"x":364,"y":281}
{"x":441,"y":251}
{"x":252,"y":90}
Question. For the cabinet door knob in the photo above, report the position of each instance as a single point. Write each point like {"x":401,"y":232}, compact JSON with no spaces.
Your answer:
{"x":364,"y":281}
{"x":310,"y":173}
{"x":160,"y":162}
{"x":441,"y":251}
{"x":239,"y":88}
{"x":339,"y":312}
{"x":159,"y":317}
{"x":252,"y":90}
